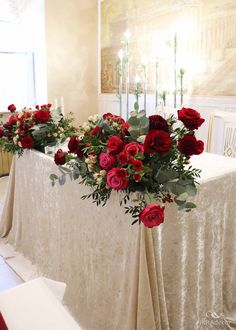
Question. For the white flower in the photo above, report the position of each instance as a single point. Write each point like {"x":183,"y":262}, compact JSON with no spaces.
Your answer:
{"x":93,"y":159}
{"x":90,"y":167}
{"x":15,"y":139}
{"x":55,"y":134}
{"x":99,"y":179}
{"x":19,"y":144}
{"x":102,"y":172}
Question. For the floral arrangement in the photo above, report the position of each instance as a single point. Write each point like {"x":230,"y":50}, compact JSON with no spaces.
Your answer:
{"x":34,"y":128}
{"x":145,"y":156}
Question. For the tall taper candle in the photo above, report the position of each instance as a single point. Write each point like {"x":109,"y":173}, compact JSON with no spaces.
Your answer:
{"x":144,"y":63}
{"x":156,"y":87}
{"x":62,"y":106}
{"x":175,"y":74}
{"x":127,"y":36}
{"x":121,"y":56}
{"x":181,"y":76}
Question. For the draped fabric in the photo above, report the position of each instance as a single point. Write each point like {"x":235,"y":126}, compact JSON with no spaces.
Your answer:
{"x":180,"y":275}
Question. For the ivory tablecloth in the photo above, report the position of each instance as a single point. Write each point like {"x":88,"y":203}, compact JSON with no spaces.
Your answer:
{"x":123,"y":277}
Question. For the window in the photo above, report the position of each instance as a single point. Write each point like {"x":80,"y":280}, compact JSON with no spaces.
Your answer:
{"x":17,"y":81}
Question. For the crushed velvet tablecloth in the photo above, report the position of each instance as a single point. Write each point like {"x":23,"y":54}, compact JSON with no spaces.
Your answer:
{"x":181,"y":275}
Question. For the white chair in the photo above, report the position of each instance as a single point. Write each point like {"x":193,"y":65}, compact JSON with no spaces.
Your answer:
{"x":36,"y":305}
{"x":222,"y":134}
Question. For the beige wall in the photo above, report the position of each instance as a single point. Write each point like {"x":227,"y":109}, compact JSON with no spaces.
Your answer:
{"x":71,"y":51}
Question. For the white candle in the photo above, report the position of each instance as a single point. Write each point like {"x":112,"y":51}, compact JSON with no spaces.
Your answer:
{"x":121,"y":56}
{"x":156,"y":82}
{"x":62,"y":106}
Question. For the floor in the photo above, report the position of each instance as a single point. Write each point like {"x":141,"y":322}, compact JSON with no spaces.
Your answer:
{"x":8,"y":278}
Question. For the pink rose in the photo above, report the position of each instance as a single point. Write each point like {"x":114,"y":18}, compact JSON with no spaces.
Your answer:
{"x":106,"y":161}
{"x":114,"y":144}
{"x":133,"y":148}
{"x":117,"y":179}
{"x":152,"y":215}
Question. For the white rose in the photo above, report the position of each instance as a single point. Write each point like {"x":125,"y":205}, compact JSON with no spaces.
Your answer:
{"x":99,"y":179}
{"x":102,"y":172}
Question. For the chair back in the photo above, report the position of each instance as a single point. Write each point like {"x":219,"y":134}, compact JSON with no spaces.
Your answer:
{"x":222,"y":134}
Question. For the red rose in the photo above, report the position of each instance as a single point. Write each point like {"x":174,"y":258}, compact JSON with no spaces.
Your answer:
{"x":1,"y":132}
{"x":75,"y":147}
{"x":114,"y":144}
{"x":157,"y":141}
{"x":137,"y":177}
{"x":191,"y":118}
{"x":133,"y":148}
{"x":11,"y":120}
{"x":116,"y":179}
{"x":189,"y":145}
{"x":60,"y":157}
{"x":12,"y":108}
{"x":136,"y":164}
{"x":27,"y":142}
{"x":152,"y":215}
{"x":106,"y":161}
{"x":158,"y":122}
{"x":107,"y":115}
{"x":96,"y":131}
{"x":42,"y":116}
{"x":122,"y":158}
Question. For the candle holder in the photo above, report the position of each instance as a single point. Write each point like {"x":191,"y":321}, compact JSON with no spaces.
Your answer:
{"x":181,"y":77}
{"x":127,"y":36}
{"x":137,"y":93}
{"x":121,"y":56}
{"x":144,"y":65}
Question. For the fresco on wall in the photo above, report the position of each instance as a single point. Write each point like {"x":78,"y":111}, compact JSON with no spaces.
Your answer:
{"x":206,"y":43}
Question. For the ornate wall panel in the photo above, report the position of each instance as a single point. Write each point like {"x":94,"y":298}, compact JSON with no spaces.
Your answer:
{"x":206,"y":43}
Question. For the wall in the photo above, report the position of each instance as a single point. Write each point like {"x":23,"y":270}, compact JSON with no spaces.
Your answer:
{"x":71,"y":55}
{"x":206,"y":36}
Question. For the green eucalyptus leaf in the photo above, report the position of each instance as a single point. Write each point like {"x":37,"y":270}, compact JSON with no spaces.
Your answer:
{"x":144,"y":122}
{"x":141,"y":114}
{"x":53,"y":177}
{"x":191,"y":190}
{"x":62,"y":180}
{"x":190,"y":205}
{"x":133,"y":121}
{"x":182,"y":197}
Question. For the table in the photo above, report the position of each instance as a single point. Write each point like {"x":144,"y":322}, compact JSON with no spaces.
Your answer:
{"x":36,"y":305}
{"x":121,"y":276}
